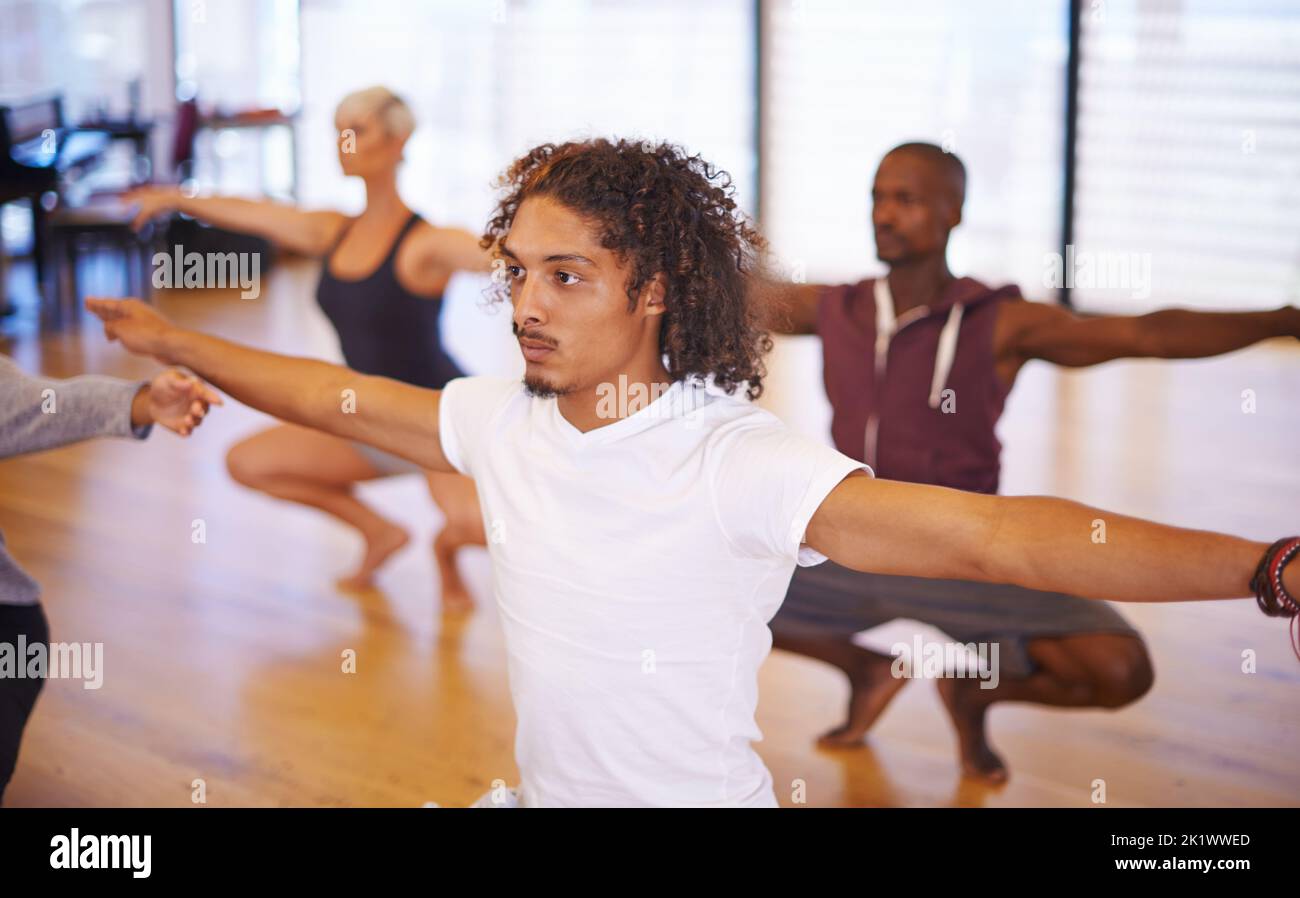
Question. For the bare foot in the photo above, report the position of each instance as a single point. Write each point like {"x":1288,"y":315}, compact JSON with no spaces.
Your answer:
{"x":978,"y":759}
{"x":379,"y":546}
{"x":455,"y":597}
{"x":872,"y":686}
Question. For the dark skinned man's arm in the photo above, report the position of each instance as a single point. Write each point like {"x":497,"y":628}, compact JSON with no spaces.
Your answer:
{"x":1032,"y":330}
{"x":786,"y":307}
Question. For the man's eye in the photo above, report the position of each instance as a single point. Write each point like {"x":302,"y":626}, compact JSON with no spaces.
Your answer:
{"x":572,"y":278}
{"x":515,"y":271}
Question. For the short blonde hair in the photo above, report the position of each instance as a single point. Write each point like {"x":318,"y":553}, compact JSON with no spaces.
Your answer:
{"x":388,"y":107}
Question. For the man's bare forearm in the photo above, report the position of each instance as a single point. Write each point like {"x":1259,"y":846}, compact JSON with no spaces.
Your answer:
{"x":1054,"y":545}
{"x":1057,"y":545}
{"x":1185,"y":334}
{"x":289,"y":388}
{"x":391,"y":415}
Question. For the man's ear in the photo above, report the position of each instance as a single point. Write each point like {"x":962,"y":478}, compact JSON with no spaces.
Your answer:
{"x":653,"y":294}
{"x":951,"y":214}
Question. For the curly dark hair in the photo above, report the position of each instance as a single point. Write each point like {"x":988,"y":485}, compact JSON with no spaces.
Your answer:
{"x":660,"y":211}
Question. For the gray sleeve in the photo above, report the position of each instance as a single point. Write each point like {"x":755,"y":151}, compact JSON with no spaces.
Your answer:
{"x":42,"y":413}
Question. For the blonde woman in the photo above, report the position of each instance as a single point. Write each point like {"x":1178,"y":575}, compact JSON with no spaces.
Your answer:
{"x":382,"y":279}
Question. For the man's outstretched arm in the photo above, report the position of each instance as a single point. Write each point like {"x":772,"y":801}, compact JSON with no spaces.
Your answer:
{"x":388,"y":414}
{"x":1040,"y":331}
{"x":1039,"y":542}
{"x":785,"y":307}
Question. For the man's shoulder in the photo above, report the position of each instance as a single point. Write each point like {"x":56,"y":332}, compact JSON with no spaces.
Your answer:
{"x":482,"y":393}
{"x":734,"y":421}
{"x":970,"y":291}
{"x":844,"y":309}
{"x":1017,"y":314}
{"x":850,"y":291}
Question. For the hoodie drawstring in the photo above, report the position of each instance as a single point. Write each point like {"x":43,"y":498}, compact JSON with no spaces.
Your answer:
{"x":945,"y":353}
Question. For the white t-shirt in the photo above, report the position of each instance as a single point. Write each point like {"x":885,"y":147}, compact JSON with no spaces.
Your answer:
{"x":636,"y":567}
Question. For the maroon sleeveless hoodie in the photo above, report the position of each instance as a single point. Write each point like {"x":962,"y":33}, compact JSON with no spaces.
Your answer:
{"x":891,"y":422}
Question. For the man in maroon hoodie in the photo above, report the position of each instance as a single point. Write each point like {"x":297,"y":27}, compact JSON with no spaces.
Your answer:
{"x":917,"y":368}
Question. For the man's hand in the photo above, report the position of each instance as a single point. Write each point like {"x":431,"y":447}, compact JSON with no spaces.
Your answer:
{"x":142,"y":329}
{"x":174,"y":399}
{"x":152,"y":202}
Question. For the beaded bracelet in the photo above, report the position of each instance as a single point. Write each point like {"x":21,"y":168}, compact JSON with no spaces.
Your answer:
{"x":1271,"y":596}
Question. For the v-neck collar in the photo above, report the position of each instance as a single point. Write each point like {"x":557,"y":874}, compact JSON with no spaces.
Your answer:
{"x":662,"y":407}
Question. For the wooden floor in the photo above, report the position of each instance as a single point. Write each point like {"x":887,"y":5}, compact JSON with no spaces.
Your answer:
{"x":223,"y":660}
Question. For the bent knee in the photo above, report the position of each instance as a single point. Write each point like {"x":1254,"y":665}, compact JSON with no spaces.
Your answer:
{"x":245,"y":464}
{"x":462,"y":531}
{"x":1124,"y":675}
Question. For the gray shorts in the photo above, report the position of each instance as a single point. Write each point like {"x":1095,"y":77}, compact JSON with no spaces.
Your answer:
{"x":387,"y":464}
{"x":828,"y":599}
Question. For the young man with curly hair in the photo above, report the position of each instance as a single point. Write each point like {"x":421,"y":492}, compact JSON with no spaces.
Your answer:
{"x":638,"y":558}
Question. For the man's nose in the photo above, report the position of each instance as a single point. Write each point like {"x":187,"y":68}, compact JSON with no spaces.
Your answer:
{"x":529,"y":308}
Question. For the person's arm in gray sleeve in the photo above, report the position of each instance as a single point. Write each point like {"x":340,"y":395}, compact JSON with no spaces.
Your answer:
{"x":43,"y":413}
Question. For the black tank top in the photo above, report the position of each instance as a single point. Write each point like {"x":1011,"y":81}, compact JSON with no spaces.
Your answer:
{"x":383,"y":328}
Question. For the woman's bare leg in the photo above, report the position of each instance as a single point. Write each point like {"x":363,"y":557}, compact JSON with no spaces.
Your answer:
{"x":316,"y":469}
{"x":456,"y":496}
